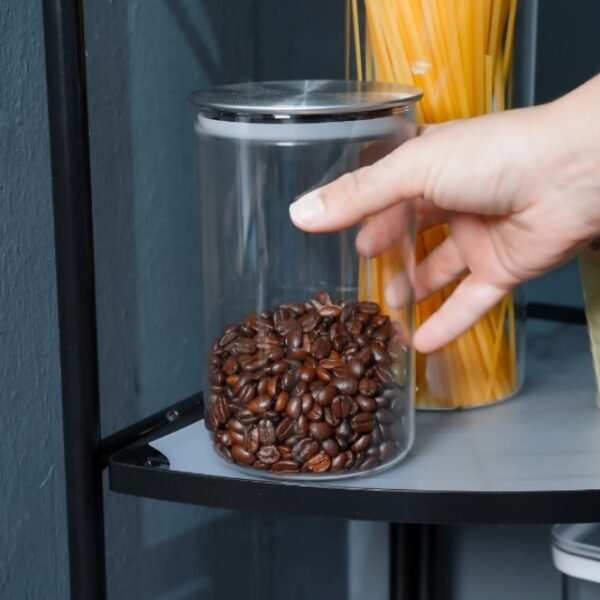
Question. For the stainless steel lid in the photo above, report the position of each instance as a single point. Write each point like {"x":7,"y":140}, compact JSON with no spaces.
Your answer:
{"x":304,"y":99}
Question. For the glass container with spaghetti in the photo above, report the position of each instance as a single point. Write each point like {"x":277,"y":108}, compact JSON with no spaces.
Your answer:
{"x":303,"y":380}
{"x":459,"y":52}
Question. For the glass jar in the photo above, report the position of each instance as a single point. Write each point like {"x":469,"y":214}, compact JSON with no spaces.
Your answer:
{"x":306,"y":376}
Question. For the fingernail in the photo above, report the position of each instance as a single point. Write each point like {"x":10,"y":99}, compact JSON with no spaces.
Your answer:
{"x":308,"y":209}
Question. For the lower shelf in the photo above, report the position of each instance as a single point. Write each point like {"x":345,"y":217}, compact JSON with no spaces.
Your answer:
{"x":534,"y":459}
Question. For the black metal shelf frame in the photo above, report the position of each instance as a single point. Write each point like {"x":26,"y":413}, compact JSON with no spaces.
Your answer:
{"x":132,"y":461}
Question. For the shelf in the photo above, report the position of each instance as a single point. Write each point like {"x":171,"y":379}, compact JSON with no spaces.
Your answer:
{"x":533,"y":459}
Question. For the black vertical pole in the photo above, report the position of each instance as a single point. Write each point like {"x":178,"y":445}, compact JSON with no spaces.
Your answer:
{"x":70,"y":160}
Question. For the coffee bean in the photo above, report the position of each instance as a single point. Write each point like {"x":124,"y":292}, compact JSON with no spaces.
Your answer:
{"x":235,"y":425}
{"x":267,"y":342}
{"x":330,"y":311}
{"x":221,"y":410}
{"x":343,"y":430}
{"x":341,"y":406}
{"x":282,"y":401}
{"x":306,"y":374}
{"x":253,"y":440}
{"x":332,"y":363}
{"x":304,"y":450}
{"x":266,"y":432}
{"x":288,"y":380}
{"x":338,"y":463}
{"x":320,"y":430}
{"x":382,"y":401}
{"x":320,"y":348}
{"x":323,"y":297}
{"x":370,"y":308}
{"x":263,"y":385}
{"x":285,"y":466}
{"x":307,"y":402}
{"x":301,"y":426}
{"x":326,"y":395}
{"x":356,"y":368}
{"x":247,"y":393}
{"x":346,"y":385}
{"x":355,"y":327}
{"x":385,"y":375}
{"x":294,"y":407}
{"x":285,"y":452}
{"x":298,"y":355}
{"x":279,"y":367}
{"x":319,"y":463}
{"x":331,"y":447}
{"x":368,"y":463}
{"x":368,"y":387}
{"x":268,"y":455}
{"x":315,"y":413}
{"x":285,"y":428}
{"x":384,"y":333}
{"x":350,"y":458}
{"x":365,"y":403}
{"x":260,"y":404}
{"x":300,"y":388}
{"x":275,"y":355}
{"x":309,"y":321}
{"x":294,"y":307}
{"x":231,"y":366}
{"x":274,"y":386}
{"x":330,"y":418}
{"x":384,"y":415}
{"x":224,"y":451}
{"x":363,"y":422}
{"x":372,"y":450}
{"x":284,"y":327}
{"x":361,"y":443}
{"x":241,"y":455}
{"x":294,"y":339}
{"x":228,"y":338}
{"x":323,"y":374}
{"x":255,"y":364}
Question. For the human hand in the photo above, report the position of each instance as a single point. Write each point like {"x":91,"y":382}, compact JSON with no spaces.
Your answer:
{"x":520,"y":190}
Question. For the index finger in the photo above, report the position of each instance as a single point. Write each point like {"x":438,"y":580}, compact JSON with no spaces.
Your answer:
{"x":398,"y":176}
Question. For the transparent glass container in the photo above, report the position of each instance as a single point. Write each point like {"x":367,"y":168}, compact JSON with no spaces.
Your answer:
{"x":306,"y":376}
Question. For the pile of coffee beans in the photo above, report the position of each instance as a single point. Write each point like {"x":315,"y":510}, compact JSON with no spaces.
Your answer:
{"x":314,"y":386}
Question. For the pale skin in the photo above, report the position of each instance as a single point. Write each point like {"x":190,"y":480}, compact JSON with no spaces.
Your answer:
{"x":520,"y":190}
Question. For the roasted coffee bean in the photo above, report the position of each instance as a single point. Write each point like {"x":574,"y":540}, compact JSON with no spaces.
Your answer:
{"x":262,"y":326}
{"x":255,"y":364}
{"x":319,"y":463}
{"x":274,"y":386}
{"x":220,"y":410}
{"x":294,"y":339}
{"x":370,"y":308}
{"x":285,"y":466}
{"x":315,"y":413}
{"x":284,"y":327}
{"x":274,"y":355}
{"x":376,"y":436}
{"x":347,"y":310}
{"x":228,"y":338}
{"x":298,"y":355}
{"x":282,"y":401}
{"x":268,"y":455}
{"x":323,"y":297}
{"x":304,"y":450}
{"x":288,"y":380}
{"x":252,"y":440}
{"x":383,"y":333}
{"x":350,"y":458}
{"x":385,"y":375}
{"x":235,"y":425}
{"x":353,"y":437}
{"x":300,"y":388}
{"x":315,"y":388}
{"x":346,"y":385}
{"x":224,"y":451}
{"x":279,"y":367}
{"x":210,"y":422}
{"x":382,"y":401}
{"x":343,"y":430}
{"x":338,"y":463}
{"x":365,"y":403}
{"x":260,"y":465}
{"x":342,"y":406}
{"x":217,"y":377}
{"x":368,"y":387}
{"x":355,"y":327}
{"x":224,"y":438}
{"x":326,"y":395}
{"x":301,"y":426}
{"x":331,"y":447}
{"x":330,"y":418}
{"x":330,"y":311}
{"x":309,"y":321}
{"x":241,"y":455}
{"x":320,"y":348}
{"x":294,"y":407}
{"x":372,"y":450}
{"x":332,"y":363}
{"x":320,"y":430}
{"x":285,"y":428}
{"x":267,"y":341}
{"x":247,"y":393}
{"x":323,"y":374}
{"x":386,"y":431}
{"x":361,"y":443}
{"x":310,"y":362}
{"x":285,"y":452}
{"x":356,"y":368}
{"x":370,"y":462}
{"x":295,"y":307}
{"x":263,"y":384}
{"x":385,"y":415}
{"x":266,"y":314}
{"x":272,"y":415}
{"x":260,"y":404}
{"x":293,"y":440}
{"x":307,"y":402}
{"x":380,"y":320}
{"x":231,"y":366}
{"x":306,"y":374}
{"x":306,"y":342}
{"x":363,"y":422}
{"x":342,"y":443}
{"x":266,"y":432}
